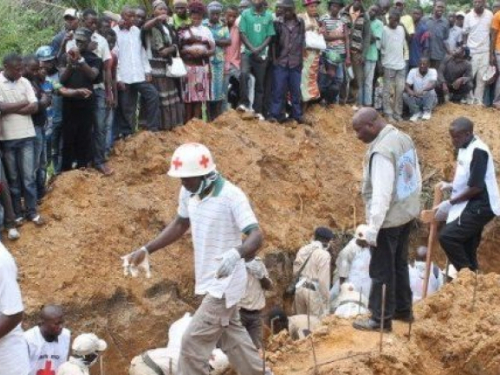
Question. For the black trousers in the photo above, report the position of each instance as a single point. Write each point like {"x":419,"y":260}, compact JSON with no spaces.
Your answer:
{"x":77,"y":124}
{"x":250,"y":319}
{"x":460,"y":238}
{"x":389,"y":266}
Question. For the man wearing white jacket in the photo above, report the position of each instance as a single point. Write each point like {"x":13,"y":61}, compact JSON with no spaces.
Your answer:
{"x":474,"y":199}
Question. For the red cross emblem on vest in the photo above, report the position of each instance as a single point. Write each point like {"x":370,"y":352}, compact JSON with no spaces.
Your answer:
{"x":47,"y":370}
{"x":177,"y":163}
{"x":204,"y":161}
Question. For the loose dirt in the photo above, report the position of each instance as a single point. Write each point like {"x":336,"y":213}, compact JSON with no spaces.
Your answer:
{"x":296,"y":178}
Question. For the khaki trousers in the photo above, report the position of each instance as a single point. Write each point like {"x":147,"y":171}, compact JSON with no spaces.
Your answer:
{"x":213,"y":322}
{"x":309,"y":302}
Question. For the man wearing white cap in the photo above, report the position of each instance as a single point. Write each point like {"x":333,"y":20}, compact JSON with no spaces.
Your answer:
{"x":456,"y":38}
{"x":391,"y":191}
{"x":71,"y":19}
{"x":417,"y":276}
{"x":85,"y":352}
{"x":219,"y":215}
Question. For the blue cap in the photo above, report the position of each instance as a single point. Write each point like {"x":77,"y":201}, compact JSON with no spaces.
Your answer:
{"x":45,"y":53}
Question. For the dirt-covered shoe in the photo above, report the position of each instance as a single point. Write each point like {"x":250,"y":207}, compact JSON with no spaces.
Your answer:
{"x":13,"y":234}
{"x":404,"y":317}
{"x":371,"y":325}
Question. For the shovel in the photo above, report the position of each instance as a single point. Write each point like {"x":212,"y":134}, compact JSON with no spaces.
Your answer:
{"x":427,"y":216}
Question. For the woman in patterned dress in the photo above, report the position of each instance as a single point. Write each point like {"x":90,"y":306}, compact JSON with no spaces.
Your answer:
{"x":197,"y":45}
{"x":161,"y":44}
{"x":309,"y":81}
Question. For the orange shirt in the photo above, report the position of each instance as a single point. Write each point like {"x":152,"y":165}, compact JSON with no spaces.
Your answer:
{"x":495,"y":24}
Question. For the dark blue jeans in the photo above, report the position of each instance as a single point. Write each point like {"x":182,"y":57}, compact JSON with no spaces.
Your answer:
{"x":40,"y":161}
{"x":286,"y":80}
{"x":19,"y":159}
{"x":100,"y":131}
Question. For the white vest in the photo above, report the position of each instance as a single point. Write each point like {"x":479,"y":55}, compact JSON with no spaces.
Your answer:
{"x":462,"y":175}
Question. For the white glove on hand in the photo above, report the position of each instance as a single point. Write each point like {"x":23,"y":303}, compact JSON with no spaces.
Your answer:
{"x":443,"y":186}
{"x":256,"y":268}
{"x":129,"y":268}
{"x":442,"y":210}
{"x":229,"y":260}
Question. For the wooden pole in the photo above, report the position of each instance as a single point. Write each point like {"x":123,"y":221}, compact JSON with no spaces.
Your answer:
{"x":382,"y":319}
{"x":438,"y":196}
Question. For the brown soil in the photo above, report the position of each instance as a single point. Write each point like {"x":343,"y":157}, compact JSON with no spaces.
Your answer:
{"x":297,"y":178}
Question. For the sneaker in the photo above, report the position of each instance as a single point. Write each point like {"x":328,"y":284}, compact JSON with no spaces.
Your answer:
{"x":426,"y":116}
{"x":272,"y":120}
{"x":355,"y":108}
{"x":242,"y":108}
{"x":105,"y":170}
{"x":248,"y":115}
{"x":37,"y":220}
{"x":259,"y":117}
{"x":19,"y":221}
{"x":371,"y":325}
{"x":416,"y":117}
{"x":13,"y":234}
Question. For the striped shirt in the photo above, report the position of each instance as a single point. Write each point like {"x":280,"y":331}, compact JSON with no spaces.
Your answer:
{"x":335,"y":26}
{"x":217,"y":224}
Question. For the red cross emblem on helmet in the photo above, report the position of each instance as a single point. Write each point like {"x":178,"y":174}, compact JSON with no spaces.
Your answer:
{"x":191,"y":160}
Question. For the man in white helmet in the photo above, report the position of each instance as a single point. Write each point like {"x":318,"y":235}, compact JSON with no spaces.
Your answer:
{"x":86,"y":350}
{"x":219,"y":214}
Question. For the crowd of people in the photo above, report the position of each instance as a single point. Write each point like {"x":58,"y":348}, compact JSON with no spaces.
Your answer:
{"x":65,"y":105}
{"x":68,"y":103}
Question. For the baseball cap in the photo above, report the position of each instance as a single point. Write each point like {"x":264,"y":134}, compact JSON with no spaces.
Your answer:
{"x":460,"y":14}
{"x":83,"y":33}
{"x":399,"y":2}
{"x":323,"y":233}
{"x":88,"y":343}
{"x":71,"y":13}
{"x":45,"y":53}
{"x":359,"y":232}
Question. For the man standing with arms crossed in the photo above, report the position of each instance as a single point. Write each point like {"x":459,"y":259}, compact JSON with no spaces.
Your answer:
{"x":391,"y":191}
{"x":218,"y":213}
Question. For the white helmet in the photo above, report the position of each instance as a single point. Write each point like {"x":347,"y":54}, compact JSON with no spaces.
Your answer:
{"x":191,"y":160}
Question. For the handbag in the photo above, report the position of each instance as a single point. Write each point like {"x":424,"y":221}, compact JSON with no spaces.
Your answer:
{"x":315,"y":40}
{"x":290,"y":289}
{"x":176,"y":69}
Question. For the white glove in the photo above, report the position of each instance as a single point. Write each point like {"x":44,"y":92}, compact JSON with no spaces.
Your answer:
{"x":256,"y":268}
{"x":129,"y":268}
{"x":443,"y":185}
{"x":367,"y":234}
{"x":442,"y":210}
{"x":229,"y":260}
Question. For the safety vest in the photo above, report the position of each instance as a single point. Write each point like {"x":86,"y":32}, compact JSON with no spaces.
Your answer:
{"x":462,"y":175}
{"x":400,"y":150}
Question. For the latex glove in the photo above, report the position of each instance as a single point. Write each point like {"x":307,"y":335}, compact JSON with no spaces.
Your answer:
{"x":256,"y":268}
{"x":136,"y":261}
{"x":367,"y":235}
{"x":443,"y":185}
{"x":229,"y":260}
{"x":442,"y":210}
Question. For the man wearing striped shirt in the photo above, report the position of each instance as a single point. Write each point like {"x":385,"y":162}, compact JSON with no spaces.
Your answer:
{"x":218,"y":213}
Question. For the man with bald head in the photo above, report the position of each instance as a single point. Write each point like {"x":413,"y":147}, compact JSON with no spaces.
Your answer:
{"x":48,"y":342}
{"x":474,"y":198}
{"x":391,"y":192}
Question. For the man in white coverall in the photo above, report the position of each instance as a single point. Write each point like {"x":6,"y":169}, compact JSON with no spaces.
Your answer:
{"x":13,"y":350}
{"x":219,"y":214}
{"x":474,"y":200}
{"x":391,"y":191}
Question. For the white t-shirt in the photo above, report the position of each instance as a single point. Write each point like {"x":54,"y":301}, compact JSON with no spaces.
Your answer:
{"x":47,"y":355}
{"x":418,"y":81}
{"x":102,"y":49}
{"x":478,"y":30}
{"x":217,"y":224}
{"x":13,"y":349}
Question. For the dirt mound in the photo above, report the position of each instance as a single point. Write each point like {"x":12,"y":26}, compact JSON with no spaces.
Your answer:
{"x":296,"y":178}
{"x":454,"y":333}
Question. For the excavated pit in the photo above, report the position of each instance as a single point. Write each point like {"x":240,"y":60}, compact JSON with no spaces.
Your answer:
{"x":296,"y":178}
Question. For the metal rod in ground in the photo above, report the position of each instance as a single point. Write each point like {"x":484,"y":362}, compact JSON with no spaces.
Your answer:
{"x":314,"y":355}
{"x":272,"y":325}
{"x":475,"y":292}
{"x":382,"y":320}
{"x":410,"y":323}
{"x":264,"y":348}
{"x":359,"y":304}
{"x":343,"y":358}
